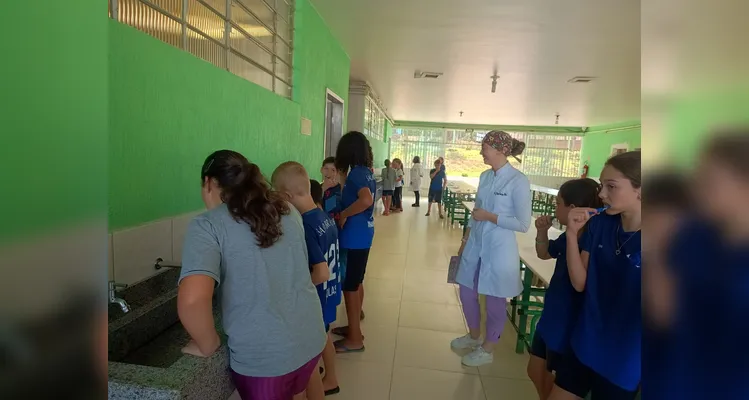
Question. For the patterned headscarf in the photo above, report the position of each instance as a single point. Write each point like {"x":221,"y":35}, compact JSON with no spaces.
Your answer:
{"x":505,"y":143}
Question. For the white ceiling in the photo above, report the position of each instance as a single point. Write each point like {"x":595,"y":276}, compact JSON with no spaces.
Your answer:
{"x":536,"y":45}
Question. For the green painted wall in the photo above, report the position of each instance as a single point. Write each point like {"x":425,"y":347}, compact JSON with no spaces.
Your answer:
{"x":695,"y":117}
{"x":169,"y":110}
{"x":53,"y":109}
{"x":597,"y":143}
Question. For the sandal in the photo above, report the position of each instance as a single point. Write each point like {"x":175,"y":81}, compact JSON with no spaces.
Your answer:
{"x":341,"y":348}
{"x":342,"y":331}
{"x":333,"y":391}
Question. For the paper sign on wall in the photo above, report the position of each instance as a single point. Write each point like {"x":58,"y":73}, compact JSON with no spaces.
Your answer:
{"x":306,"y":127}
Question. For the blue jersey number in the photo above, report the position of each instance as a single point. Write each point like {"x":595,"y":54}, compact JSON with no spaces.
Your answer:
{"x":333,"y":269}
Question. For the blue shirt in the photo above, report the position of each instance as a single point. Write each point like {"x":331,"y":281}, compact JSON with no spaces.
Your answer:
{"x":321,"y":235}
{"x":438,"y":180}
{"x":358,"y":231}
{"x":608,"y":334}
{"x":561,"y":302}
{"x":705,"y":358}
{"x":331,"y":202}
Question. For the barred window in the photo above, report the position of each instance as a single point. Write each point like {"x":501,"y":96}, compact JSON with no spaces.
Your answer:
{"x":374,"y":120}
{"x":548,"y":159}
{"x":250,"y":38}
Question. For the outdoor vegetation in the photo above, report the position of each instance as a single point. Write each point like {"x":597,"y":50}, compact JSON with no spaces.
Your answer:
{"x":544,"y":155}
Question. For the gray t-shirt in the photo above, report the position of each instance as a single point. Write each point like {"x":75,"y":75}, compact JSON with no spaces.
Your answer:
{"x":270,"y":308}
{"x":388,"y":178}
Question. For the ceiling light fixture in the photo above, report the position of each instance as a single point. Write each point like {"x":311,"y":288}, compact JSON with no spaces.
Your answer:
{"x":426,"y":75}
{"x":582,"y":79}
{"x":557,"y":121}
{"x":494,"y":82}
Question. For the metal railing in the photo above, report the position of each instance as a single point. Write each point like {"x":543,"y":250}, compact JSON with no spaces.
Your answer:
{"x":249,"y":38}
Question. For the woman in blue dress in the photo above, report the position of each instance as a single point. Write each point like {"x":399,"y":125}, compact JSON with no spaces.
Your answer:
{"x":490,"y":262}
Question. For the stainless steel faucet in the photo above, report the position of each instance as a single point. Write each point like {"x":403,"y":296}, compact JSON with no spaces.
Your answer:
{"x":116,"y":300}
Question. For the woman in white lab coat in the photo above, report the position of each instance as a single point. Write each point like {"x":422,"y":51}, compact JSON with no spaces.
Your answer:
{"x":490,"y":263}
{"x":416,"y":174}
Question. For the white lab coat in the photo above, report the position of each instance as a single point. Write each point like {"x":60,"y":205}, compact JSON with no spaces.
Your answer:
{"x":506,"y":193}
{"x":416,"y":174}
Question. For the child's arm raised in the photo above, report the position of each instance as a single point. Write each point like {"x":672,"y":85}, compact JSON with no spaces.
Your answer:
{"x":543,"y":224}
{"x":577,"y":260}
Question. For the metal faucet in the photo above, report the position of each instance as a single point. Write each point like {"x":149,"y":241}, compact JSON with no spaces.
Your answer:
{"x":160,"y":260}
{"x":116,"y":300}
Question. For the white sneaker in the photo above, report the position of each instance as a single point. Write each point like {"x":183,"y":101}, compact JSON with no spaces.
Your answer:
{"x":465,"y":342}
{"x":478,"y":358}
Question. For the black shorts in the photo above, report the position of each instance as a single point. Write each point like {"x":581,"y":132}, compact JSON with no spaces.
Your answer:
{"x":356,"y":267}
{"x":578,"y":379}
{"x":435,"y":196}
{"x":539,"y":349}
{"x":387,"y":193}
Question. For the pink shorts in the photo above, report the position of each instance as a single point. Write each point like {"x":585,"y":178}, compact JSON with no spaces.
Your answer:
{"x":282,"y":387}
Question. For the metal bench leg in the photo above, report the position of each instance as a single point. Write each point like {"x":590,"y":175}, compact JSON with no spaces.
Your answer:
{"x":523,"y":317}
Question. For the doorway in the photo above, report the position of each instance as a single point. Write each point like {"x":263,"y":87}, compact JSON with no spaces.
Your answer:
{"x":333,"y":122}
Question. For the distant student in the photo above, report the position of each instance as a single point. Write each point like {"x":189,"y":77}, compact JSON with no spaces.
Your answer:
{"x":388,"y":186}
{"x":398,"y":194}
{"x":331,"y":186}
{"x":561,"y":301}
{"x":416,"y":174}
{"x":321,"y":237}
{"x":354,"y":160}
{"x":604,"y":263}
{"x":439,"y":181}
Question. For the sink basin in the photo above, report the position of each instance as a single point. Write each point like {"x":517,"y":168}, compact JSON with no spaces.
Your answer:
{"x":163,"y":351}
{"x":145,"y":348}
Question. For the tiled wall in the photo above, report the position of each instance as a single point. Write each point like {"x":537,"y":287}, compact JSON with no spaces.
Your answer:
{"x":133,"y":251}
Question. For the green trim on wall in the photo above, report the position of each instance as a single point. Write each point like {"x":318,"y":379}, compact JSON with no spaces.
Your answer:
{"x":561,"y":130}
{"x":169,"y":110}
{"x":634,"y":124}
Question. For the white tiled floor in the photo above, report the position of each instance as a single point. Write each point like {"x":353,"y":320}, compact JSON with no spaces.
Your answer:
{"x":411,"y":316}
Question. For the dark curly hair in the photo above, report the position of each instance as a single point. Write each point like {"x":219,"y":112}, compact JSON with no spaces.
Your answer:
{"x":247,"y":194}
{"x":353,"y":151}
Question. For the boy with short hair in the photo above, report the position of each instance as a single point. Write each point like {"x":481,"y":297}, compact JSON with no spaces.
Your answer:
{"x":439,"y":181}
{"x":331,"y":187}
{"x":321,"y":235}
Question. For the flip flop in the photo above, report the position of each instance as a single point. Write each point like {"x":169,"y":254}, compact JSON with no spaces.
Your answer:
{"x":340,"y":348}
{"x":361,"y":318}
{"x":342,"y":331}
{"x":333,"y":391}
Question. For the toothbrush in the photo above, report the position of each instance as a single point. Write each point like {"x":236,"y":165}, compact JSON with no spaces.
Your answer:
{"x":599,"y":210}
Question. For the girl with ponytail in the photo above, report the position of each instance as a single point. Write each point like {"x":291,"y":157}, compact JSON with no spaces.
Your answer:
{"x":250,"y":248}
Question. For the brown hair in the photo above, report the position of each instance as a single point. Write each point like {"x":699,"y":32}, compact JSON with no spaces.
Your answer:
{"x":629,"y":164}
{"x":731,"y":148}
{"x":581,"y":193}
{"x":291,"y":177}
{"x":247,"y":194}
